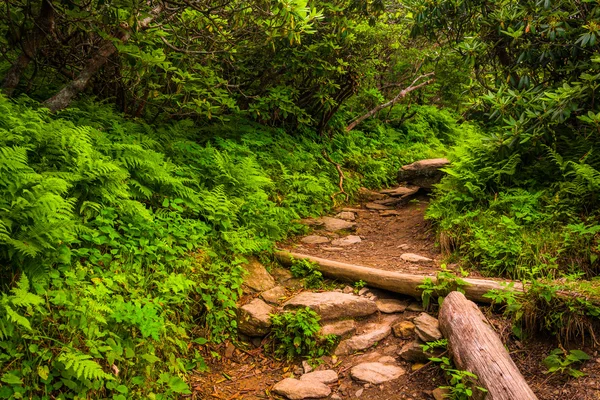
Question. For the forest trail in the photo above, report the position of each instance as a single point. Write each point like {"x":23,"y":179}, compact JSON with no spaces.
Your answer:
{"x":247,"y":371}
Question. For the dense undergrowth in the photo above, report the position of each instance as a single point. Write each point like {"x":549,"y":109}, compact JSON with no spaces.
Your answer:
{"x":529,"y":216}
{"x":122,"y":244}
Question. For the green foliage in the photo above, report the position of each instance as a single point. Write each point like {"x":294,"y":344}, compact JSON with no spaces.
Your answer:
{"x":437,"y":344}
{"x":462,"y":384}
{"x":296,"y":334}
{"x":308,"y":270}
{"x":562,"y":362}
{"x":445,"y":283}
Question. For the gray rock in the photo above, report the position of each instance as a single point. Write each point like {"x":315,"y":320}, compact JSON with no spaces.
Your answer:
{"x":374,"y":333}
{"x":346,"y":241}
{"x":274,"y":296}
{"x":258,"y":278}
{"x":254,"y":318}
{"x":336,"y":224}
{"x":387,"y":360}
{"x":413,"y":352}
{"x":427,"y":328}
{"x":333,"y":305}
{"x":440,"y":394}
{"x":348,"y":289}
{"x":390,"y":306}
{"x":375,"y":206}
{"x":404,"y":329}
{"x":389,"y":213}
{"x":295,"y":389}
{"x":306,"y":367}
{"x":415,"y":307}
{"x":424,"y":173}
{"x":281,"y":274}
{"x":342,"y":329}
{"x":369,"y":195}
{"x":400,"y":191}
{"x":314,"y":239}
{"x":359,"y":392}
{"x":347,"y":215}
{"x":327,"y":376}
{"x":415,"y":258}
{"x":336,"y":397}
{"x":376,"y":373}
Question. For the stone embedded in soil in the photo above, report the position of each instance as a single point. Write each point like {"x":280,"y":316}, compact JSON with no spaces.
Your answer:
{"x":415,"y":307}
{"x":375,"y":206}
{"x":295,"y":389}
{"x":274,"y":296}
{"x":314,"y":239}
{"x":348,"y":289}
{"x":427,"y":328}
{"x":254,"y":318}
{"x":342,"y":329}
{"x":281,"y":274}
{"x":413,"y":352}
{"x":374,"y":333}
{"x":387,"y":360}
{"x":390,"y":306}
{"x":400,"y":191}
{"x":333,"y":305}
{"x":376,"y":373}
{"x":389,"y":213}
{"x":404,"y":329}
{"x":347,"y":241}
{"x":347,"y":215}
{"x":258,"y":278}
{"x":306,"y":367}
{"x":415,"y":258}
{"x":370,"y":195}
{"x":327,"y":376}
{"x":335,"y":224}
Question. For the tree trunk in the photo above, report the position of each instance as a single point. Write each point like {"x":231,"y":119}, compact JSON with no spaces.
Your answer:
{"x":64,"y":97}
{"x":397,"y":282}
{"x":475,"y":347}
{"x":44,"y":25}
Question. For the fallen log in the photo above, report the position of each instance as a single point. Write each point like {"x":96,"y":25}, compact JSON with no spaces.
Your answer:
{"x":397,"y":282}
{"x":475,"y":347}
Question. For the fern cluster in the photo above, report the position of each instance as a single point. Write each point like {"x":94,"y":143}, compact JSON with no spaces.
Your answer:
{"x":118,"y":240}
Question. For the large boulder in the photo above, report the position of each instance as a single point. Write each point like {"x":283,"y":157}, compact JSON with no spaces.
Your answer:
{"x":342,"y":329}
{"x":258,"y":279}
{"x":254,"y":318}
{"x":424,"y":173}
{"x":333,"y":305}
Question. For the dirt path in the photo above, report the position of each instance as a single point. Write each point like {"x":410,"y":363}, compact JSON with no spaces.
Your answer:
{"x":247,"y":372}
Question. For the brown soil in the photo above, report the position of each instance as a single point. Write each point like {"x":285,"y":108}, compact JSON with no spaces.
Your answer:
{"x":247,"y":372}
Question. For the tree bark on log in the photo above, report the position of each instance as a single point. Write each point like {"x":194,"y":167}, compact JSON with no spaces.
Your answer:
{"x":44,"y":26}
{"x":475,"y":347}
{"x":397,"y":282}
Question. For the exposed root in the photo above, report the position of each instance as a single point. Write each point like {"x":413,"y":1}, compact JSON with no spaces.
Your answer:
{"x":341,"y":175}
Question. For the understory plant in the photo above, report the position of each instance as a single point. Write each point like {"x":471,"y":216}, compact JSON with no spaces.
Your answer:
{"x":296,"y":334}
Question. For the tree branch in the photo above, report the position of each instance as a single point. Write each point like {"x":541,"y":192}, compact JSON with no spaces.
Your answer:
{"x":403,"y":93}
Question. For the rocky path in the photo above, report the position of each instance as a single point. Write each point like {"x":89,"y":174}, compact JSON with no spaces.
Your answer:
{"x":379,"y":355}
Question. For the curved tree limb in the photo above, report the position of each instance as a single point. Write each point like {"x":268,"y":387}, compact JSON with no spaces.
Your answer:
{"x":403,"y":93}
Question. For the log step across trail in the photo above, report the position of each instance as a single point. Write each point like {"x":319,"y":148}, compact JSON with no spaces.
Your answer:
{"x":397,"y":282}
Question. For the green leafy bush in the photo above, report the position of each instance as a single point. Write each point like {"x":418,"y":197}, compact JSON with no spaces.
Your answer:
{"x":296,"y":334}
{"x":562,"y":362}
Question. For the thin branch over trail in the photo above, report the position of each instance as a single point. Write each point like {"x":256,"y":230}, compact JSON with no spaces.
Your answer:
{"x":403,"y":93}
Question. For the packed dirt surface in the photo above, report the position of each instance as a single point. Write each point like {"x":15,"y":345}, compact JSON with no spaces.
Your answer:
{"x":247,"y":371}
{"x":384,"y":240}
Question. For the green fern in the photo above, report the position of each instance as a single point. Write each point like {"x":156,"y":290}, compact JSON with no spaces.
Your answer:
{"x":82,"y":365}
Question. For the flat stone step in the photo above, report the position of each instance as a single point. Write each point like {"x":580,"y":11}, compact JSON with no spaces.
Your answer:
{"x":333,"y":305}
{"x":376,"y":372}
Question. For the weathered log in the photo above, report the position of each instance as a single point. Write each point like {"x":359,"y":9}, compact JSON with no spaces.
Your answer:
{"x":396,"y":282}
{"x":475,"y":347}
